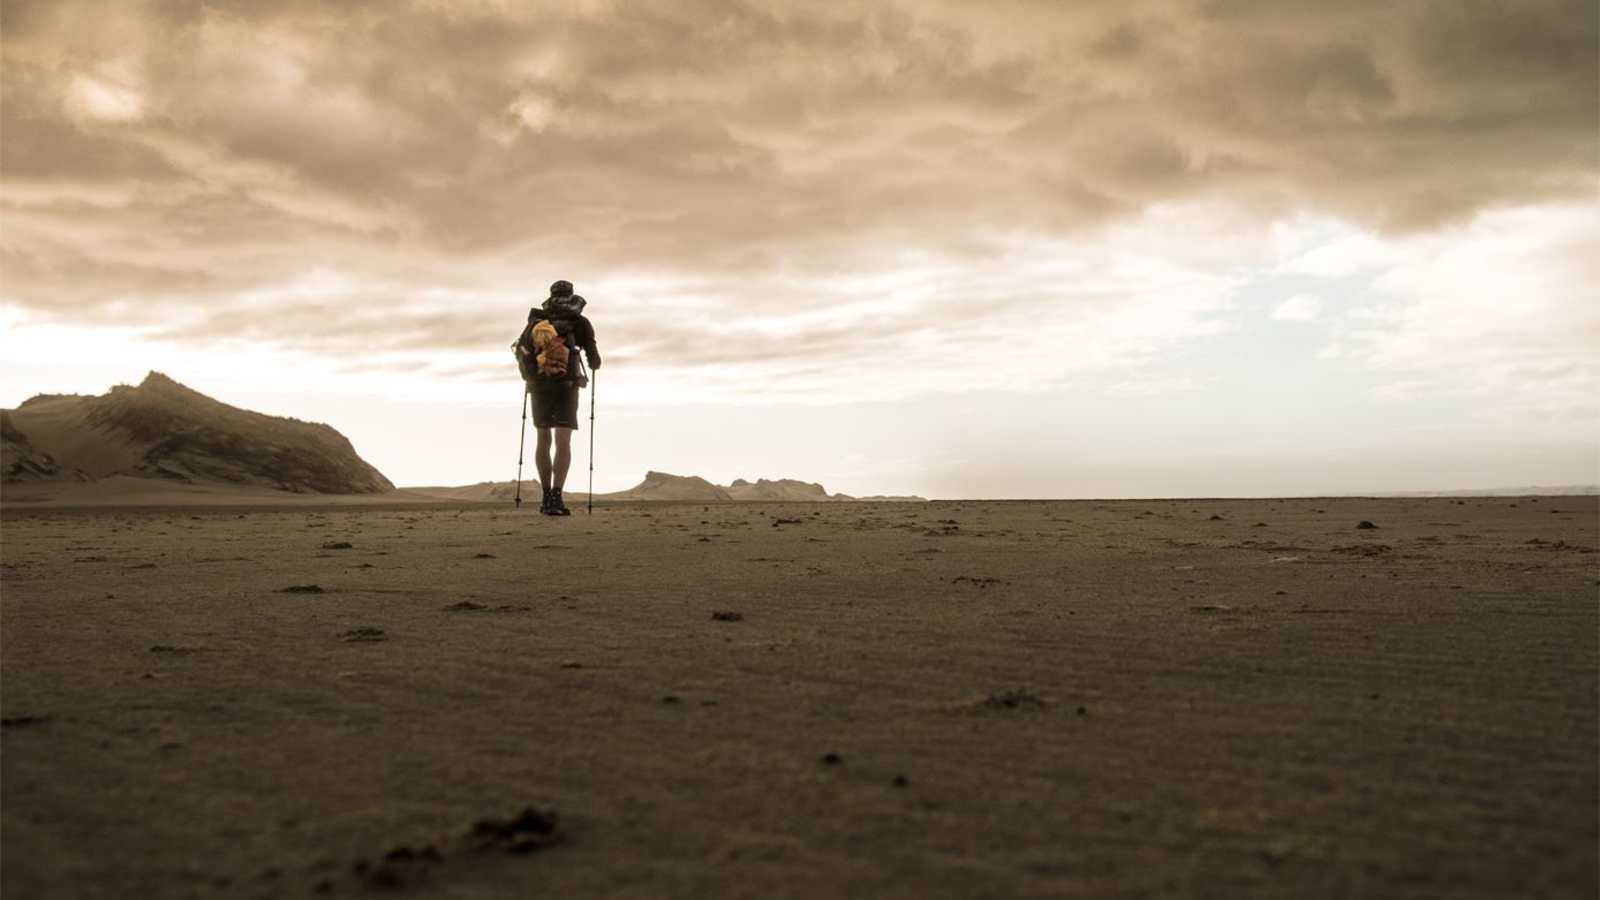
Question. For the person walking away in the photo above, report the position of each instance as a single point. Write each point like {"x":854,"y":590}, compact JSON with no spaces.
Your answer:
{"x":547,"y":354}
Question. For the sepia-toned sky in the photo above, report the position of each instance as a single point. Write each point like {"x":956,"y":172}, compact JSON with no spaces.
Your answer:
{"x":1001,"y":248}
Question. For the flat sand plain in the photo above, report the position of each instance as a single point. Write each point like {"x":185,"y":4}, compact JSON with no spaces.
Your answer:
{"x":956,"y":699}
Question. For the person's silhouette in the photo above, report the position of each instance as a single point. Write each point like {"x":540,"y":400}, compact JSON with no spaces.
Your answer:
{"x":554,"y":375}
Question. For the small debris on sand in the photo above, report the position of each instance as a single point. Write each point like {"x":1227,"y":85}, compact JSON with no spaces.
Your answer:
{"x":832,"y":759}
{"x":403,"y":852}
{"x":303,"y":589}
{"x":23,"y":721}
{"x":338,"y":545}
{"x":726,"y":616}
{"x":174,"y":651}
{"x":982,"y":581}
{"x":484,"y":556}
{"x":529,"y":831}
{"x":398,"y":868}
{"x":901,"y":781}
{"x":464,"y":606}
{"x":363,"y":635}
{"x":1364,"y":524}
{"x":1006,"y":701}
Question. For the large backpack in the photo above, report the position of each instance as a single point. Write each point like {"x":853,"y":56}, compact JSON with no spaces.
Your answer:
{"x":546,"y":348}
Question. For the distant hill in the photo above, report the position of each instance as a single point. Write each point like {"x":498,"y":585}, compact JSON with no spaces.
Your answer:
{"x":782,"y":489}
{"x":662,"y":486}
{"x":164,"y":431}
{"x":483,"y":491}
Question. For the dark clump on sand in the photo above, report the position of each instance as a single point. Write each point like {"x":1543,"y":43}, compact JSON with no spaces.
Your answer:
{"x":23,"y":721}
{"x":525,"y":832}
{"x":409,"y":866}
{"x":1012,"y":700}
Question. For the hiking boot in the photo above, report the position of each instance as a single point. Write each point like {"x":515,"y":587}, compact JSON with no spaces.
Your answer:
{"x":544,"y":505}
{"x":558,"y":507}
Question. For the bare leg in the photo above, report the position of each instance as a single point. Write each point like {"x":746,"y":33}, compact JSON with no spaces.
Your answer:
{"x":563,"y":460}
{"x":541,"y":457}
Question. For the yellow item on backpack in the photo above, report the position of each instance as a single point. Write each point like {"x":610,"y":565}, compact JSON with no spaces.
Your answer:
{"x":553,"y":353}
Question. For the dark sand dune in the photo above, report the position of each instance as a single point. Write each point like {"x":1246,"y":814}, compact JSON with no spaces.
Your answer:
{"x":1150,"y":698}
{"x":161,"y":431}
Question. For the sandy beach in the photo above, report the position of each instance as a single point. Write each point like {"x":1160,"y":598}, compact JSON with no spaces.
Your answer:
{"x":955,"y":699}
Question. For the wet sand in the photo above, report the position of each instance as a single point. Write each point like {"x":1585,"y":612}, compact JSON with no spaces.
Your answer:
{"x":1101,"y":699}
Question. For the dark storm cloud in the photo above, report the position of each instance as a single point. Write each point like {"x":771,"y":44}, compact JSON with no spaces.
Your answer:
{"x":222,"y":147}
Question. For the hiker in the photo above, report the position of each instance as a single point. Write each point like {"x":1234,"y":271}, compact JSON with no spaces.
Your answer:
{"x":546,"y":354}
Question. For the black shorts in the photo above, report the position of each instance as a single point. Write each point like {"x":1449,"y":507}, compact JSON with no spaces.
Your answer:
{"x":555,"y":403}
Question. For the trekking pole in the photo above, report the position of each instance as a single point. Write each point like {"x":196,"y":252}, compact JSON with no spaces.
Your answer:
{"x":594,"y":383}
{"x":522,"y":439}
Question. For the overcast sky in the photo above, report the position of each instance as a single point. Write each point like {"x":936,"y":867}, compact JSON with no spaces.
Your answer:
{"x":1041,"y":249}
